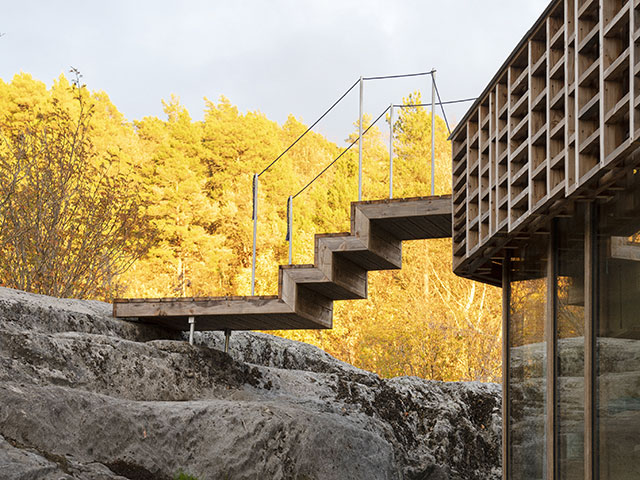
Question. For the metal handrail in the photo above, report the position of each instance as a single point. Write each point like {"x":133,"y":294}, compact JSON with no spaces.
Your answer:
{"x":289,"y":237}
{"x":361,"y":133}
{"x":391,"y":108}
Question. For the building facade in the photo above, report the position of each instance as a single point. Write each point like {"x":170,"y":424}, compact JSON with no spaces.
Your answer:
{"x":546,"y":204}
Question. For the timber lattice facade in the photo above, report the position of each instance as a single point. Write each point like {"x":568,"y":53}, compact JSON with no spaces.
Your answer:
{"x":559,"y":122}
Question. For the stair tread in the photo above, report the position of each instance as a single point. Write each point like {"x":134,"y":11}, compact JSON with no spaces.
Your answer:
{"x":390,"y":201}
{"x":411,"y":218}
{"x":234,"y":298}
{"x":323,"y":281}
{"x":358,"y":252}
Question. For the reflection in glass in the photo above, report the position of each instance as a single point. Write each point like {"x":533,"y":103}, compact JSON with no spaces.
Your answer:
{"x":527,"y":356}
{"x":618,"y":347}
{"x":570,"y":347}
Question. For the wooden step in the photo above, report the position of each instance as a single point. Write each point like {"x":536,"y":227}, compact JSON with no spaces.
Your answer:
{"x":419,"y":218}
{"x":339,"y":280}
{"x":372,"y":252}
{"x":218,"y":313}
{"x":306,"y":292}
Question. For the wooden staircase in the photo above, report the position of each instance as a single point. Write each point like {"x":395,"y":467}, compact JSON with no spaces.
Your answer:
{"x":306,"y":292}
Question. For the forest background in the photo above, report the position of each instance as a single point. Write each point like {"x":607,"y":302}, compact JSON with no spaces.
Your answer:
{"x":95,"y":206}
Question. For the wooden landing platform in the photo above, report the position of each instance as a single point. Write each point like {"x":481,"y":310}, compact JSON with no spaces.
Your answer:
{"x":306,"y":292}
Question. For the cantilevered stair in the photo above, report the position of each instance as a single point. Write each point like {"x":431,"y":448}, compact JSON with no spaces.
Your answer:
{"x":306,"y":292}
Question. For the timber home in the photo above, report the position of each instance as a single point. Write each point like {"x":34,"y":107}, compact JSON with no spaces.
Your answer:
{"x":546,"y":204}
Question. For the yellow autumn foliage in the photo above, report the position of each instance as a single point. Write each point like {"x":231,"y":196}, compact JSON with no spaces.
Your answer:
{"x":196,"y":180}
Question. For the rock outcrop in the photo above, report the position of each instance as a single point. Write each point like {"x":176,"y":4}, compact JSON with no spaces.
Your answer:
{"x":86,"y":396}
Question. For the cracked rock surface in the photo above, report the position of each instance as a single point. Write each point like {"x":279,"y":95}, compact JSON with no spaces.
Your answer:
{"x":87,"y":396}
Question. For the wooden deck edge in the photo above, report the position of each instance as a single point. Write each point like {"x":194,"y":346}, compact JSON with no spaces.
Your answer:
{"x":195,"y":299}
{"x":402,"y":200}
{"x":211,"y":306}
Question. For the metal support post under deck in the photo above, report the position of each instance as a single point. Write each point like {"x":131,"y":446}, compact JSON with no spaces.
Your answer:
{"x":506,"y":302}
{"x":192,"y":327}
{"x":227,"y":336}
{"x":590,"y":323}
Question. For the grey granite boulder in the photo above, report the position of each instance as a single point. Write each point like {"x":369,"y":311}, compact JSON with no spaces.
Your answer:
{"x":87,"y":396}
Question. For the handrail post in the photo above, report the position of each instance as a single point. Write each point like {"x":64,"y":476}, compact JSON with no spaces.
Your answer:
{"x":290,"y":228}
{"x":391,"y":150}
{"x":255,"y":233}
{"x":433,"y":132}
{"x":360,"y":140}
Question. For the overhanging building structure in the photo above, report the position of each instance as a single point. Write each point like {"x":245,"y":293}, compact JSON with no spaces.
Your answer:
{"x":546,"y":204}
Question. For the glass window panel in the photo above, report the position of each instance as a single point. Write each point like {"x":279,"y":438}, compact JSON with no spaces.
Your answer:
{"x":618,"y":340}
{"x":570,"y":346}
{"x":527,"y":356}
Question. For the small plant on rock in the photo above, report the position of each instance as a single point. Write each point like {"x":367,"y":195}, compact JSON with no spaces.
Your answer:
{"x":184,"y":476}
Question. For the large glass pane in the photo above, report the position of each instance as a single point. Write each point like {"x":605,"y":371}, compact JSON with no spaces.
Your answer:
{"x":527,"y":356}
{"x":618,"y":340}
{"x":570,"y":346}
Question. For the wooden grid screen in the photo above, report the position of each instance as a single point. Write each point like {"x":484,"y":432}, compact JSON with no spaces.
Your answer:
{"x":561,"y":112}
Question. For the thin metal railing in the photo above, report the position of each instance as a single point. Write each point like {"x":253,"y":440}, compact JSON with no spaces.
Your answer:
{"x":431,"y":72}
{"x":289,"y":237}
{"x":361,"y":133}
{"x":391,"y":109}
{"x":360,"y":122}
{"x":255,"y":233}
{"x":257,"y":176}
{"x":290,"y":228}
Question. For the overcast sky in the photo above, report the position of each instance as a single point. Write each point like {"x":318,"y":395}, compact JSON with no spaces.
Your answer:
{"x":275,"y":56}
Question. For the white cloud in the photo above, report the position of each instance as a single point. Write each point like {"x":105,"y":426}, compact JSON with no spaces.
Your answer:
{"x":280,"y":56}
